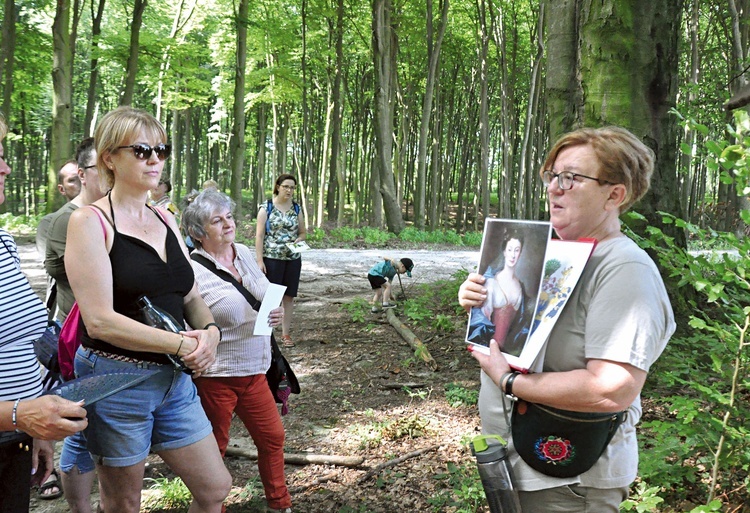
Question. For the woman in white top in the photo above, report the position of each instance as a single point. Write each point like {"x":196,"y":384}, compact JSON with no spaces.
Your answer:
{"x":236,"y":382}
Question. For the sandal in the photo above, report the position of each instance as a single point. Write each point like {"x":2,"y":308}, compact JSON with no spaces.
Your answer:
{"x":52,"y":482}
{"x":286,"y":341}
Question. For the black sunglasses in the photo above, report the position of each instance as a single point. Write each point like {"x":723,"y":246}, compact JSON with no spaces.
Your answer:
{"x":143,"y":151}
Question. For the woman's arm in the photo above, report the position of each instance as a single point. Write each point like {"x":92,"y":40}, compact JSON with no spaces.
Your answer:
{"x":89,"y":271}
{"x":301,"y":230}
{"x":260,"y":232}
{"x":603,"y":386}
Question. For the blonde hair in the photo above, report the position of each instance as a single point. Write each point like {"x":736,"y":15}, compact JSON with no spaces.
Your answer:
{"x":623,"y":158}
{"x":3,"y":128}
{"x":117,"y":128}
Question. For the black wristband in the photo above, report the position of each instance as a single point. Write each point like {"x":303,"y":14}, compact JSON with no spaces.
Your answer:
{"x":509,"y":387}
{"x":217,"y":327}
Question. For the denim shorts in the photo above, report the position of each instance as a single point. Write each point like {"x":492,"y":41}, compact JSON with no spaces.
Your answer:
{"x":75,"y":454}
{"x":161,"y":413}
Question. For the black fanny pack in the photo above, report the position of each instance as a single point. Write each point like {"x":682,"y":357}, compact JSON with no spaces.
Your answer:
{"x":561,"y":443}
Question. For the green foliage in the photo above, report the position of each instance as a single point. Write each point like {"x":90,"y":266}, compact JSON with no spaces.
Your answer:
{"x":644,"y":499}
{"x":463,"y":490}
{"x":375,"y":237}
{"x":168,"y":493}
{"x":19,"y":225}
{"x":344,"y":234}
{"x":456,"y":395}
{"x":315,"y":235}
{"x":700,"y":383}
{"x":358,"y":308}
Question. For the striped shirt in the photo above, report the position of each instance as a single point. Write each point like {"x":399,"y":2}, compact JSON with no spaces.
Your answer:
{"x":240,"y":353}
{"x":23,"y":319}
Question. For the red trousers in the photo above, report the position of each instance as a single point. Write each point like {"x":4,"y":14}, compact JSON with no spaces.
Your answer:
{"x":251,"y":399}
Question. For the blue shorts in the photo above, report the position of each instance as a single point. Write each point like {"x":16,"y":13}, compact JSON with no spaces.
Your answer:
{"x":161,"y":413}
{"x":75,"y":454}
{"x":284,"y":272}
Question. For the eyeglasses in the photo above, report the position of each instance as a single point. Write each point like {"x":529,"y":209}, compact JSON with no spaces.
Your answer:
{"x":288,"y":187}
{"x":566,"y":179}
{"x":143,"y":151}
{"x":89,"y":167}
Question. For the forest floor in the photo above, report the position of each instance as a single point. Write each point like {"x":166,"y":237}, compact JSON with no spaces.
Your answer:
{"x":353,"y":402}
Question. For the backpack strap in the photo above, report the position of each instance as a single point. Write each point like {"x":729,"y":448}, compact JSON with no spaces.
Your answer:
{"x":269,"y":208}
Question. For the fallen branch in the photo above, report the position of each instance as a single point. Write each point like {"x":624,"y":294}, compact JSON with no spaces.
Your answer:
{"x":376,"y":470}
{"x":420,"y":350}
{"x":399,"y":386}
{"x":322,"y":479}
{"x":297,"y":459}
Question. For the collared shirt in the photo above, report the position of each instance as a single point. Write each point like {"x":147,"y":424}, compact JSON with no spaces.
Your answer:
{"x":240,"y":353}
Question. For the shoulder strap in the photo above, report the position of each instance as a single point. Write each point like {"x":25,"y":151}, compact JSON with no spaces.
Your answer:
{"x":269,"y":208}
{"x":103,"y":213}
{"x":208,"y":264}
{"x":296,"y":207}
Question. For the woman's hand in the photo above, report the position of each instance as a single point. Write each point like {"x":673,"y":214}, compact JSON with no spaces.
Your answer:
{"x":493,"y":364}
{"x":262,"y":266}
{"x":275,"y":317}
{"x":50,"y":417}
{"x":204,"y":353}
{"x":472,"y":292}
{"x":42,"y":461}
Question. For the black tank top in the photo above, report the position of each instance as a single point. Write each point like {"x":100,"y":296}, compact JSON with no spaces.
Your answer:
{"x":137,"y":270}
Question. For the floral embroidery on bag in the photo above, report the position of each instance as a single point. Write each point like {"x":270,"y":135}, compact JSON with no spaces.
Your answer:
{"x":555,"y":450}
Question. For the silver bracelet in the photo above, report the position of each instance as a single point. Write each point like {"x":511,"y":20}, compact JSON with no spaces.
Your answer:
{"x":14,"y":416}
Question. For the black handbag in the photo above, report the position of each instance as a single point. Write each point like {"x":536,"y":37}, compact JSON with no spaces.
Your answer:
{"x":280,"y":376}
{"x":561,"y":443}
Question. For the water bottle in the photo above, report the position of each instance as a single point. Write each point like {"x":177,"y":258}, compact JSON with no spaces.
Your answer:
{"x":495,"y":472}
{"x":158,"y":318}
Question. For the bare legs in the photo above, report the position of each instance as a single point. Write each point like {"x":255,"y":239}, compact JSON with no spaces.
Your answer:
{"x":199,"y":465}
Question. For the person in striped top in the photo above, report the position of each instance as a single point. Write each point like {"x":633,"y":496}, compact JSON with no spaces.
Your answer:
{"x":23,"y":414}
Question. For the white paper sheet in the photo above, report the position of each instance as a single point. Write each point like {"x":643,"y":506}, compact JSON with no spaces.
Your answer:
{"x":271,"y":300}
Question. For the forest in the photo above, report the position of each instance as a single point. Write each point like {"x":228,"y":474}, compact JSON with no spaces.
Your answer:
{"x":389,"y":112}
{"x":415,"y":114}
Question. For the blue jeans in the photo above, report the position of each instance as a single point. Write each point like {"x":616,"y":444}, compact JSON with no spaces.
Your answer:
{"x":161,"y":413}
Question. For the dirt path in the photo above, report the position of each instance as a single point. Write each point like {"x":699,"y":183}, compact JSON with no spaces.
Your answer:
{"x":348,"y":405}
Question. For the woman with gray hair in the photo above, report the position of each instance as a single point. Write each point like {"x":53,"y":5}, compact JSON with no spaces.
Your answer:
{"x":236,"y":382}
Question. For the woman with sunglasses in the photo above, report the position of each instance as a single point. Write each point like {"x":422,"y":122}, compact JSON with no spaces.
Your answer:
{"x":614,"y":326}
{"x":281,"y":221}
{"x":117,"y":252}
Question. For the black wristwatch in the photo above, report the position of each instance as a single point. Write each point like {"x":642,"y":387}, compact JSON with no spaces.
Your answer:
{"x":509,"y":387}
{"x":217,"y":327}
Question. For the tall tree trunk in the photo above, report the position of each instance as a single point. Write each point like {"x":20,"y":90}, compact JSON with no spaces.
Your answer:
{"x":337,"y":168}
{"x":384,"y":56}
{"x":238,"y":110}
{"x":132,"y":68}
{"x":624,"y":62}
{"x":484,"y":118}
{"x":7,"y":54}
{"x":91,"y":103}
{"x":178,"y":22}
{"x":260,"y":160}
{"x":62,"y":98}
{"x":433,"y":53}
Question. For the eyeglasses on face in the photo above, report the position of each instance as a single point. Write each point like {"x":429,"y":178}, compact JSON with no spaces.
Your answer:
{"x":143,"y":151}
{"x":566,"y":179}
{"x":288,"y":187}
